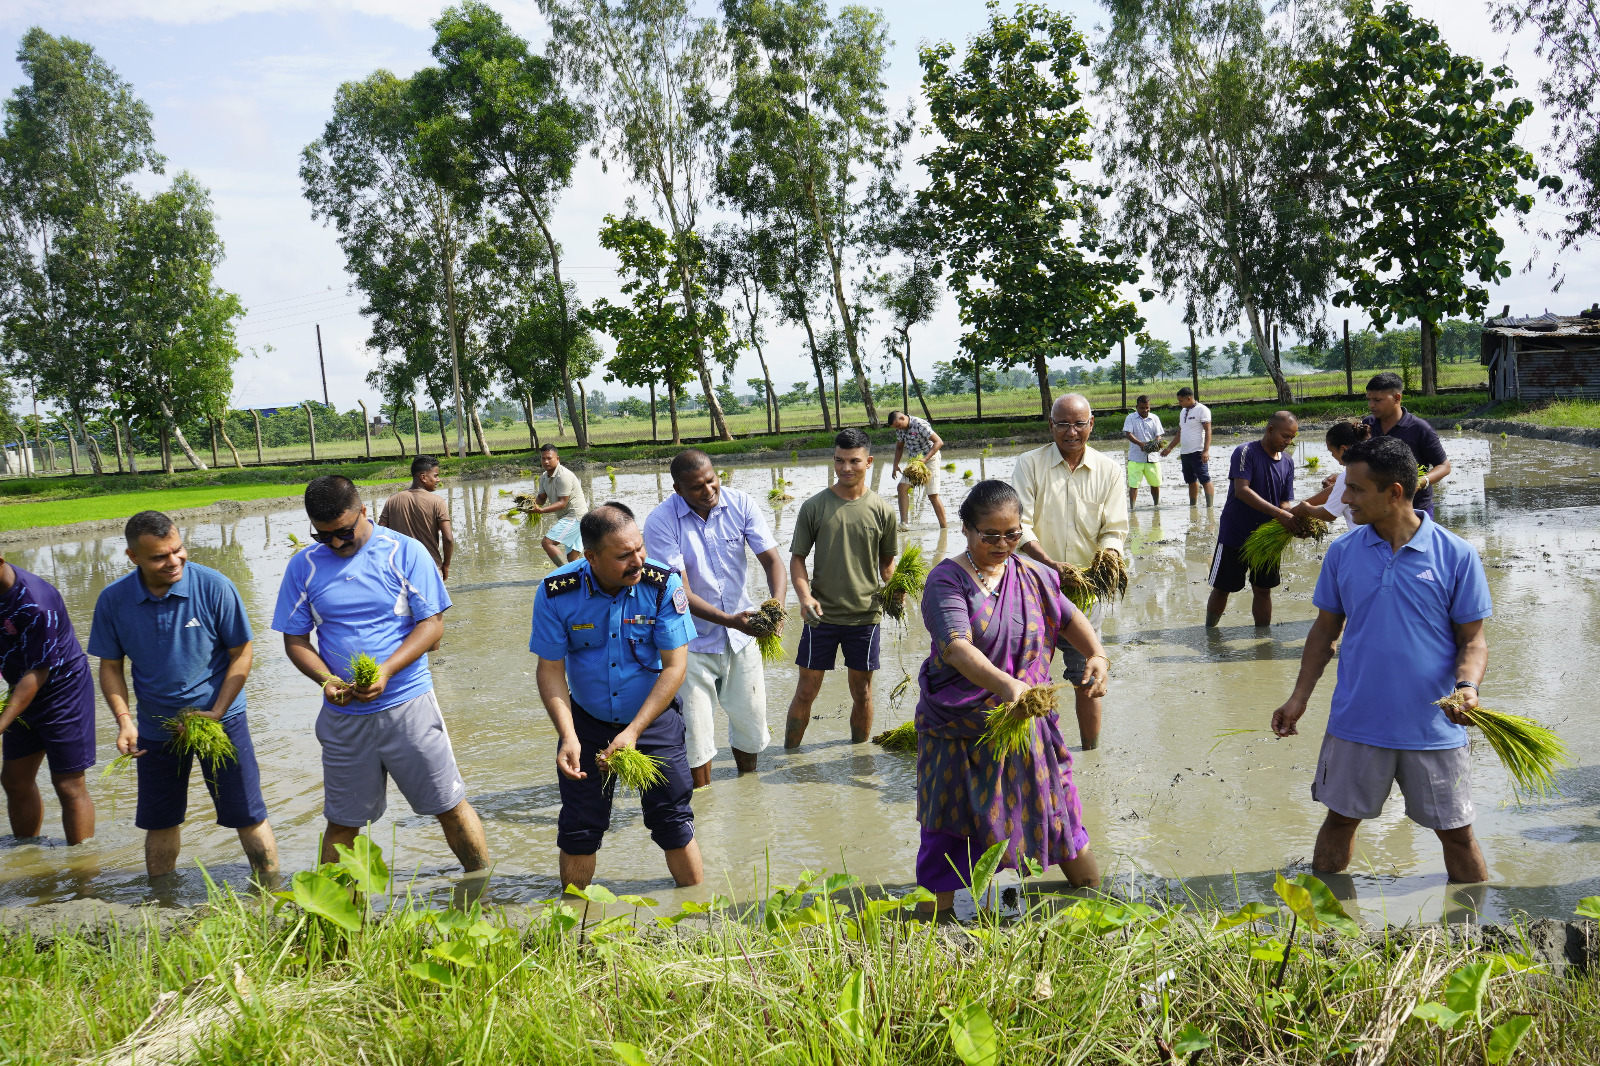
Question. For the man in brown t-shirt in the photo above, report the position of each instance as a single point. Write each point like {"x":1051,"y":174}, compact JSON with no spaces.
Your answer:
{"x":421,"y":515}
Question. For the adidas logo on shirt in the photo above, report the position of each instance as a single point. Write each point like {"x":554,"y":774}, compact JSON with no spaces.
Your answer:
{"x":193,"y":623}
{"x":1426,"y":575}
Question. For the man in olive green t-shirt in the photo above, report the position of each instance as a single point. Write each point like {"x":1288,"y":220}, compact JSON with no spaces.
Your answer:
{"x":852,"y":529}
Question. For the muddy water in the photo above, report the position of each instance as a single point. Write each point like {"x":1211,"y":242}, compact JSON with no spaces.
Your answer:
{"x":1166,"y":811}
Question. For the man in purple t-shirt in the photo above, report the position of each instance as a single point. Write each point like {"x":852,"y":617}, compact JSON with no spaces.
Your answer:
{"x":1260,"y":489}
{"x":50,"y":710}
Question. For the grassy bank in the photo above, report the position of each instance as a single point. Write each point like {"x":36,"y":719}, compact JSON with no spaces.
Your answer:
{"x":826,"y":978}
{"x":27,"y":503}
{"x":1580,"y":414}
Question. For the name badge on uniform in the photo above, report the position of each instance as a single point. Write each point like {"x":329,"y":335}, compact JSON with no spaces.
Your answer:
{"x":584,"y":625}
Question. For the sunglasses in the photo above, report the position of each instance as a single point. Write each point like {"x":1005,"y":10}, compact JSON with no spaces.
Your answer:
{"x":1001,"y":538}
{"x":347,"y":533}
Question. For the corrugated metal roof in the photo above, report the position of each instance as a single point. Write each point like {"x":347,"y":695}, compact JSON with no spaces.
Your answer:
{"x":1545,"y":325}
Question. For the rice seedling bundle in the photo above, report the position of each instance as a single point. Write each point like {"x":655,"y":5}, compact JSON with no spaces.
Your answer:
{"x":1075,"y":585}
{"x":1263,"y":549}
{"x":917,"y":473}
{"x":363,"y":671}
{"x":767,"y":621}
{"x":119,"y":766}
{"x":902,"y":739}
{"x":637,"y":771}
{"x":966,"y":475}
{"x":1010,"y":725}
{"x":950,"y":467}
{"x":1529,"y":752}
{"x":909,"y":576}
{"x":1107,"y":574}
{"x":195,"y":734}
{"x":779,"y":492}
{"x":1313,"y":462}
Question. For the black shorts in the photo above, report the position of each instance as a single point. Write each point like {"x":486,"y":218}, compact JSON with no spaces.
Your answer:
{"x":1194,"y":468}
{"x":1228,"y":572}
{"x":820,"y":645}
{"x":67,"y":740}
{"x":586,"y":805}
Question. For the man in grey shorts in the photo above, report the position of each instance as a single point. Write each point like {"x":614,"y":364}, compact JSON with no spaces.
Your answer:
{"x":366,"y":590}
{"x":1411,"y":599}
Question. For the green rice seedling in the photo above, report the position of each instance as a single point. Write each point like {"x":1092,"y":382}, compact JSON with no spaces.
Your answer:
{"x":1313,"y":461}
{"x":909,"y":576}
{"x":951,"y":467}
{"x":779,"y":492}
{"x":916,"y":473}
{"x":1422,"y":475}
{"x":767,"y":621}
{"x":1263,"y":550}
{"x":1010,"y":726}
{"x":771,"y":645}
{"x":363,"y":671}
{"x":966,"y":475}
{"x":1107,"y":574}
{"x":902,"y":739}
{"x":118,"y":767}
{"x":900,"y":689}
{"x":505,"y":492}
{"x":794,"y":453}
{"x":1530,"y":753}
{"x":636,"y":771}
{"x":1075,"y":584}
{"x":297,"y":545}
{"x":195,"y":734}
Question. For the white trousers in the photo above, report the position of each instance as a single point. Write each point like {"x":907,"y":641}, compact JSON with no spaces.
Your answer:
{"x":736,"y":683}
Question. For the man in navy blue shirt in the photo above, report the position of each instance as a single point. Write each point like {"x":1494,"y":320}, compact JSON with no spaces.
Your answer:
{"x":183,"y":627}
{"x":50,"y":709}
{"x":1389,"y":419}
{"x":622,"y":622}
{"x":1260,"y":490}
{"x":1410,"y":598}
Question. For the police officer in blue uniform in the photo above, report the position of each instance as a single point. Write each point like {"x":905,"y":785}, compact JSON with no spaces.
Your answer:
{"x":612,"y":633}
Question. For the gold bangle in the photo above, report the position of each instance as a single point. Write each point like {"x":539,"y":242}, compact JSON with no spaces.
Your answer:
{"x":1098,"y":655}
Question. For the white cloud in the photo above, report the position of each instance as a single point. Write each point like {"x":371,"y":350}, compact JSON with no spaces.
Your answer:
{"x":412,"y":13}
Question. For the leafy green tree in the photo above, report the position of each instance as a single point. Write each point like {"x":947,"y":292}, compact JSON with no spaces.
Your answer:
{"x":1199,"y":147}
{"x":737,"y":255}
{"x":1429,"y":157}
{"x":1569,"y":37}
{"x":910,"y":294}
{"x":1157,"y":360}
{"x":1028,"y":262}
{"x":647,"y":67}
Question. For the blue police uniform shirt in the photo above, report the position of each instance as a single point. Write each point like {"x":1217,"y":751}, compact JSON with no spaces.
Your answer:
{"x":612,"y":644}
{"x":177,"y":644}
{"x":1398,"y":652}
{"x":368,"y":603}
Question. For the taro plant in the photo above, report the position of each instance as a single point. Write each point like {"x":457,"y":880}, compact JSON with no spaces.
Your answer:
{"x":1459,"y":1016}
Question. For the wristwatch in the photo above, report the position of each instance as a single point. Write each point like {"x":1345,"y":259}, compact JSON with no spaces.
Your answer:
{"x":1466,"y":684}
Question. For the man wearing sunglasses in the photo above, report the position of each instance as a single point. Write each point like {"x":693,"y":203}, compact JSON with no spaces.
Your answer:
{"x":367,"y":590}
{"x":1072,"y":507}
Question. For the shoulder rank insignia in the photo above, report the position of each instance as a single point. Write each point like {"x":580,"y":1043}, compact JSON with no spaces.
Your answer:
{"x":655,"y":576}
{"x":556,"y":584}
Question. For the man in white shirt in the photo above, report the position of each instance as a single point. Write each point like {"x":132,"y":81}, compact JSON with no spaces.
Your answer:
{"x":1194,"y":444}
{"x":1143,"y":432}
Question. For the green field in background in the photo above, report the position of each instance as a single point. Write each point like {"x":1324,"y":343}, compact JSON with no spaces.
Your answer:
{"x":126,"y":504}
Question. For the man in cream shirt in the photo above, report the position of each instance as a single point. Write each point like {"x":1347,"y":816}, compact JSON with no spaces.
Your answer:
{"x":1072,"y":507}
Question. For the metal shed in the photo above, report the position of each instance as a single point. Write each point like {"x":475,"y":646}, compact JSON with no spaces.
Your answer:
{"x":1542,"y":358}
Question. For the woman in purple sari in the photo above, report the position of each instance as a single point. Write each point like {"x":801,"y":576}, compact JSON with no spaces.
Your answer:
{"x":996,"y":620}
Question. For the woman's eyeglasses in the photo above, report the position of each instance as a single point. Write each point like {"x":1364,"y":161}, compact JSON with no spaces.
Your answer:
{"x":1001,"y":538}
{"x":347,"y":533}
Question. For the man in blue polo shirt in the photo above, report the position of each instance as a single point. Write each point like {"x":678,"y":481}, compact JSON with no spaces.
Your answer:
{"x":622,"y":620}
{"x":50,"y":710}
{"x":183,"y":627}
{"x":368,"y":590}
{"x":1415,"y":597}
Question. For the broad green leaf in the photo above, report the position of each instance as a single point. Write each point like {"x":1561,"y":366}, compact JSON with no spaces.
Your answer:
{"x":838,"y":883}
{"x":1589,"y":907}
{"x":433,"y":971}
{"x":1326,"y":910}
{"x":637,"y":901}
{"x":1438,"y":1014}
{"x":1503,"y":1040}
{"x":615,"y":926}
{"x":972,"y":1035}
{"x":1190,"y":1040}
{"x":628,"y":1054}
{"x":1250,"y":912}
{"x":916,"y":895}
{"x":983,"y":870}
{"x":594,"y":893}
{"x":851,"y":1005}
{"x":1464,"y":992}
{"x":453,"y":921}
{"x":486,"y":934}
{"x":1033,"y":866}
{"x":561,"y":918}
{"x":364,"y":863}
{"x":1271,"y":951}
{"x":459,"y":952}
{"x":1296,"y":896}
{"x":321,"y":895}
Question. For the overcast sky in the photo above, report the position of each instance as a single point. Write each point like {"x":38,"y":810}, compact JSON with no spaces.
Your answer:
{"x":239,"y":87}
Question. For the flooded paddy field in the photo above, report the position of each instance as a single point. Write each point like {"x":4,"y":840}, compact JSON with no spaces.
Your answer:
{"x":1170,"y":807}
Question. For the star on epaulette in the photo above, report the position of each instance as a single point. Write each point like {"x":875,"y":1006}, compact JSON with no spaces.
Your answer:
{"x":556,"y":584}
{"x":655,"y":576}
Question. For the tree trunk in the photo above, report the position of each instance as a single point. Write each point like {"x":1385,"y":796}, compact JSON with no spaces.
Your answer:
{"x":816,"y":364}
{"x":395,"y":426}
{"x":1253,"y":316}
{"x":455,"y":353}
{"x":477,"y":425}
{"x":416,"y":429}
{"x":672,"y":408}
{"x":177,"y":432}
{"x":216,"y":460}
{"x":72,"y":446}
{"x":843,"y":304}
{"x":905,"y":338}
{"x":1043,"y":372}
{"x":1430,"y":359}
{"x":1194,"y":364}
{"x":1122,"y":345}
{"x":838,"y":418}
{"x":257,"y":416}
{"x":977,"y":383}
{"x":555,"y":405}
{"x":222,"y":425}
{"x":581,"y":425}
{"x":96,"y":460}
{"x":719,"y":424}
{"x":653,"y":434}
{"x":527,"y":408}
{"x":133,"y":461}
{"x":116,"y":433}
{"x":366,"y":427}
{"x":444,"y":441}
{"x":166,"y":450}
{"x":905,"y":385}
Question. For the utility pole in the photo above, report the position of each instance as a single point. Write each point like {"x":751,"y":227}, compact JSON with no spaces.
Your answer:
{"x":324,"y":365}
{"x":1349,"y":382}
{"x":1123,"y":344}
{"x":1194,"y":364}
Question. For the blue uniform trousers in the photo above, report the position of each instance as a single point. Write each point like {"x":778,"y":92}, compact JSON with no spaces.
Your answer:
{"x":586,"y":805}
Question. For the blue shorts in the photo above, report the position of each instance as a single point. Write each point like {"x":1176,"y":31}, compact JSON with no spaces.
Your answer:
{"x":820,"y":644}
{"x":164,"y":783}
{"x":586,"y":805}
{"x":1194,"y":468}
{"x":67,"y":740}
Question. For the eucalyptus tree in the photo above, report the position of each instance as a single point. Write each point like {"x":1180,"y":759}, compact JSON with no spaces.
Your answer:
{"x":810,"y":126}
{"x":1028,"y":262}
{"x":647,"y":67}
{"x":1199,"y":147}
{"x":737,"y":255}
{"x":367,"y":175}
{"x":1426,"y":144}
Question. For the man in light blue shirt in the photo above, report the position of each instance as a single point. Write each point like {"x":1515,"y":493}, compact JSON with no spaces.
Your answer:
{"x":365,"y":590}
{"x":1415,"y":598}
{"x":702,"y":531}
{"x":612,"y":632}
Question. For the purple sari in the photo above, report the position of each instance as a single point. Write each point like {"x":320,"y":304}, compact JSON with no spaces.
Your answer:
{"x":967,"y":799}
